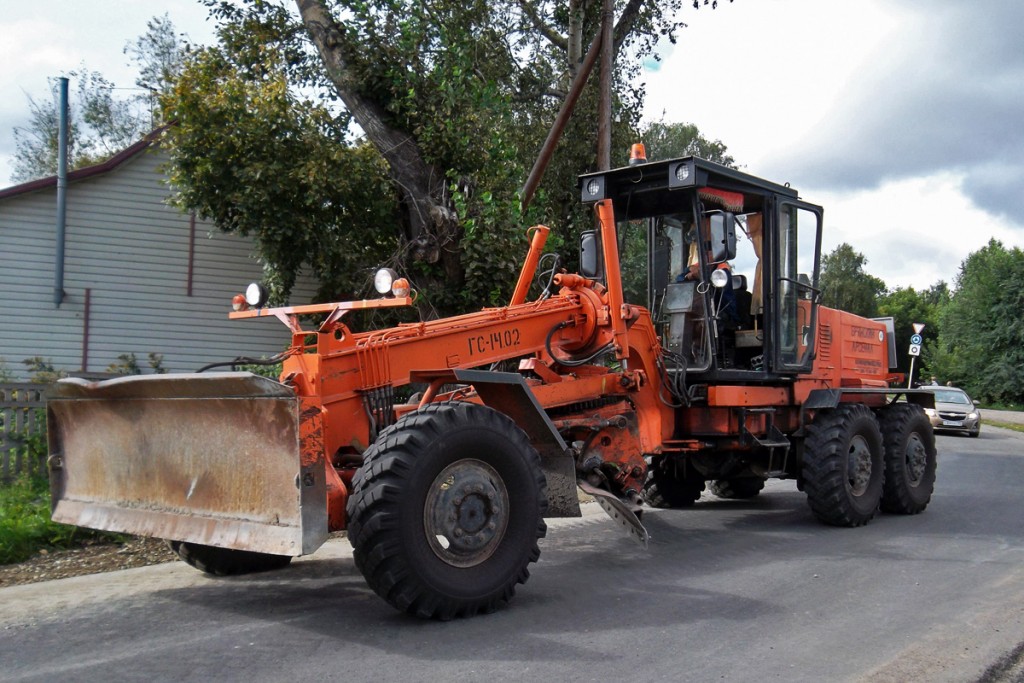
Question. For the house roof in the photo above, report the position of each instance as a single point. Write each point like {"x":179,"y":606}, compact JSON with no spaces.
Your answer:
{"x":88,"y":171}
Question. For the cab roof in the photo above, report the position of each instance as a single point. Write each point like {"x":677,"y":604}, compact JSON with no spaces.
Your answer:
{"x":649,"y":188}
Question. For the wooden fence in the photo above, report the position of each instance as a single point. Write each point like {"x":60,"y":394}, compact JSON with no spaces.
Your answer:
{"x":22,"y":421}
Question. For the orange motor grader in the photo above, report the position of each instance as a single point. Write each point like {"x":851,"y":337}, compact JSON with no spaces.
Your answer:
{"x":690,"y":348}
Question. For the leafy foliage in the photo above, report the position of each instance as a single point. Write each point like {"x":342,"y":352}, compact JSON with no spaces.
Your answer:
{"x":99,"y":124}
{"x":128,"y":364}
{"x":6,"y":374}
{"x":252,"y":156}
{"x":665,"y":140}
{"x":846,"y":285}
{"x":159,"y":54}
{"x":452,"y":98}
{"x":981,"y":341}
{"x":42,"y":371}
{"x":25,"y":524}
{"x":908,"y":306}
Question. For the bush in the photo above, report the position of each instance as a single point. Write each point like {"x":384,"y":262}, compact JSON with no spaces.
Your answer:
{"x":25,"y":524}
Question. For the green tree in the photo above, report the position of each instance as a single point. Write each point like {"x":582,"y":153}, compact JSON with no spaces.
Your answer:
{"x":159,"y":54}
{"x":908,"y":306}
{"x":981,"y":338}
{"x":455,"y":98}
{"x":665,"y":140}
{"x":100,"y":124}
{"x":846,"y":285}
{"x":259,"y":160}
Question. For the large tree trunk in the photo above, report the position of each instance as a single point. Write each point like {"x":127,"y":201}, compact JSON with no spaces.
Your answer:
{"x":431,"y":223}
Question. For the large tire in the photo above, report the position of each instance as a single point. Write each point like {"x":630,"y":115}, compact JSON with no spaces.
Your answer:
{"x":667,"y":487}
{"x":227,"y":562}
{"x":843,"y":466}
{"x":446,"y":511}
{"x":739,"y":488}
{"x":909,"y":459}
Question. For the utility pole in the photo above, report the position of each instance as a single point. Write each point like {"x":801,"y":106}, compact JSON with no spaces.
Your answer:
{"x":604,"y":117}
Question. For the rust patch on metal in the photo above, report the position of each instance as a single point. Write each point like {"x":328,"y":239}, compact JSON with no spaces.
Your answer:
{"x":311,"y":431}
{"x":208,"y":459}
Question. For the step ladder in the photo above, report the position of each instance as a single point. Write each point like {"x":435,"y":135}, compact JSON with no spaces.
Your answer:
{"x":773,"y":439}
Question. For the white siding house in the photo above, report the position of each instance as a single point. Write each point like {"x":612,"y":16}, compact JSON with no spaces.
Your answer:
{"x":140,"y":276}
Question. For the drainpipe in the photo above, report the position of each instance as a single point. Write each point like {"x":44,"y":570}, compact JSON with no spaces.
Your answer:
{"x":62,"y":193}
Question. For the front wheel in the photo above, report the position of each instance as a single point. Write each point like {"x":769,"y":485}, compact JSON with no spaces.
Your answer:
{"x":446,"y":511}
{"x":909,"y":459}
{"x":843,"y":465}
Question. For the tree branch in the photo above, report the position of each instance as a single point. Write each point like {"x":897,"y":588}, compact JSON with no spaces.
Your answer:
{"x":627,"y":20}
{"x":420,"y":185}
{"x":553,"y":36}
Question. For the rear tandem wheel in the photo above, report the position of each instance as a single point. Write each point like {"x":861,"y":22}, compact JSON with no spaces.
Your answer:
{"x":446,"y":511}
{"x":909,"y":459}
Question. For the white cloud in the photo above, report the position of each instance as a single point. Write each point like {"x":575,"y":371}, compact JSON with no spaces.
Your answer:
{"x":46,"y":38}
{"x":901,"y":118}
{"x":913,"y":232}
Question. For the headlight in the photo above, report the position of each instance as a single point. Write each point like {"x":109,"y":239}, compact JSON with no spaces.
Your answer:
{"x":256,"y":295}
{"x":972,"y":416}
{"x":720,"y":278}
{"x":383,"y":279}
{"x":930,"y":412}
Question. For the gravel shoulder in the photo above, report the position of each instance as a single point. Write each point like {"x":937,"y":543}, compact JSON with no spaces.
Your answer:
{"x":89,"y":559}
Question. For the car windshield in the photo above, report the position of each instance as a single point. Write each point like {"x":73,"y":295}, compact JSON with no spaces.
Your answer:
{"x":949,"y":396}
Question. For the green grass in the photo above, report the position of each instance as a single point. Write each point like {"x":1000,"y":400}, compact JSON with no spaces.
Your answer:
{"x":1004,"y":425}
{"x":25,"y":524}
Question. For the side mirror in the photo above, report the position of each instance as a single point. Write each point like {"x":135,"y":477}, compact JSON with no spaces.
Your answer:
{"x":662,"y":258}
{"x":590,"y":255}
{"x":723,"y":236}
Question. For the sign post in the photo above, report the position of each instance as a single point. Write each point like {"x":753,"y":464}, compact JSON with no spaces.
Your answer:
{"x":915,"y":350}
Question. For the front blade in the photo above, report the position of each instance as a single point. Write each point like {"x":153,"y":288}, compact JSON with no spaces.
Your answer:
{"x":207,"y":458}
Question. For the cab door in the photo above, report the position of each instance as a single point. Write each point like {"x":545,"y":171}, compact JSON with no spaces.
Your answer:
{"x":796,"y":256}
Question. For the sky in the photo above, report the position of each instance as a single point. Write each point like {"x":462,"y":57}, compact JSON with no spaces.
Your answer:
{"x":903,"y":118}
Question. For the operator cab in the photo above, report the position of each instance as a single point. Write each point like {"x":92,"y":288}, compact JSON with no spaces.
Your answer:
{"x":727,"y":264}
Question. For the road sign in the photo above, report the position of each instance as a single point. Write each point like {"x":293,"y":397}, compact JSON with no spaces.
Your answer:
{"x":916,"y":339}
{"x":918,"y":327}
{"x":915,"y":349}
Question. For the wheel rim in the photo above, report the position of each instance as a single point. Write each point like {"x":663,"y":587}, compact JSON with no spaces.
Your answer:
{"x":858,"y":465}
{"x":466,"y":513}
{"x":916,"y":457}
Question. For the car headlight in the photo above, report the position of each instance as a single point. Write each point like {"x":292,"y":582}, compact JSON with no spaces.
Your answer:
{"x":930,"y":412}
{"x":972,"y":416}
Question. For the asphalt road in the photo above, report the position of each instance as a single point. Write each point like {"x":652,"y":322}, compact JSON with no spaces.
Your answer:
{"x":728,"y":591}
